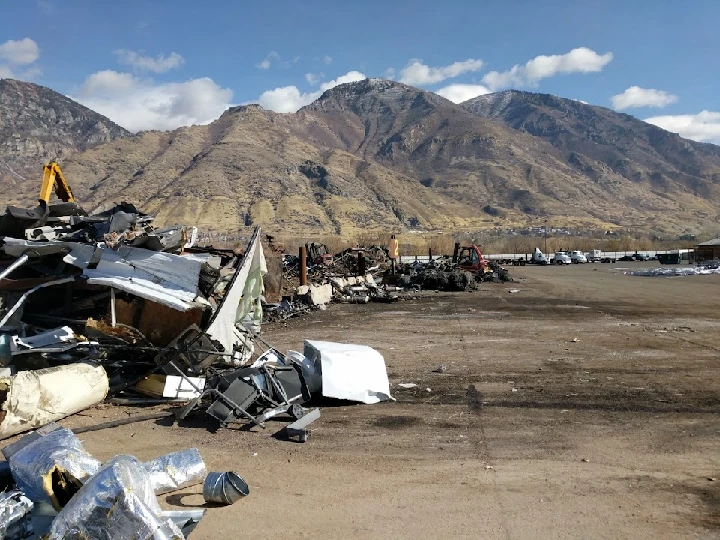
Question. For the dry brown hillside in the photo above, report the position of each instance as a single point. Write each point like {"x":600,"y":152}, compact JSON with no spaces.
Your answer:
{"x":378,"y":155}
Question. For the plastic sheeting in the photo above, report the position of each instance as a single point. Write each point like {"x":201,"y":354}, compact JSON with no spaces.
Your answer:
{"x":241,"y":303}
{"x":118,"y":502}
{"x":52,"y":467}
{"x":353,"y":372}
{"x":36,"y":398}
{"x":176,"y":470}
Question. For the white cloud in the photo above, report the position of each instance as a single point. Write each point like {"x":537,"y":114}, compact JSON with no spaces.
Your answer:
{"x":140,"y":104}
{"x":288,"y":99}
{"x":390,"y":73}
{"x":642,"y":97}
{"x":107,"y":83}
{"x":417,"y":73}
{"x":268,"y":60}
{"x":327,"y":59}
{"x":457,"y":93}
{"x":313,"y":78}
{"x":160,"y":64}
{"x":17,"y":58}
{"x":703,"y":126}
{"x":20,"y":52}
{"x":580,"y":60}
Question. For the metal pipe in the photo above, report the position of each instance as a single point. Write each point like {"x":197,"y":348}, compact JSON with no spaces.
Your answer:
{"x":303,"y":265}
{"x":113,"y":319}
{"x":19,"y":262}
{"x":361,"y":263}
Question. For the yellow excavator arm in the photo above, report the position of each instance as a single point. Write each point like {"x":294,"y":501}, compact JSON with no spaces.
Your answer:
{"x":53,"y":179}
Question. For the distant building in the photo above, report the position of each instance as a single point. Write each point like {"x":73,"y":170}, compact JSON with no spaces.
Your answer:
{"x":708,"y":251}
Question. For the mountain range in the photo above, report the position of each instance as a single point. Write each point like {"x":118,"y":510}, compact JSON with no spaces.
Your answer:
{"x":372,"y":155}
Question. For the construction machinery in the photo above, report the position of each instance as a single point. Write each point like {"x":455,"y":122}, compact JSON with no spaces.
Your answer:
{"x":54,"y":180}
{"x":469,"y":258}
{"x":18,"y":219}
{"x":318,"y":253}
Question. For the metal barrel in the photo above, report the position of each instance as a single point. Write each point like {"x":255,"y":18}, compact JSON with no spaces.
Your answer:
{"x":224,"y":487}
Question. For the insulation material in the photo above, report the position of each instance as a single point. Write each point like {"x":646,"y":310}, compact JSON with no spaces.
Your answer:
{"x":35,"y":398}
{"x":176,"y":470}
{"x":348,"y":371}
{"x":53,"y":467}
{"x":117,"y":502}
{"x":15,"y":518}
{"x":241,"y":303}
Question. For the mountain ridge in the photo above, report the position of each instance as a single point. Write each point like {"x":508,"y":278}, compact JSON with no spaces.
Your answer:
{"x":381,"y":155}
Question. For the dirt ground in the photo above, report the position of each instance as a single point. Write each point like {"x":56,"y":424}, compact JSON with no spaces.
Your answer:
{"x":583,"y":406}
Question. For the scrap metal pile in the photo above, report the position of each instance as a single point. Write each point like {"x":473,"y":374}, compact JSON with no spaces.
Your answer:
{"x":365,"y":274}
{"x":442,"y":274}
{"x":127,"y":309}
{"x":354,"y":276}
{"x":103,"y":305}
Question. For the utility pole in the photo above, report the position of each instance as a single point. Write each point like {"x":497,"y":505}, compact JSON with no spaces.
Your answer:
{"x":546,"y":237}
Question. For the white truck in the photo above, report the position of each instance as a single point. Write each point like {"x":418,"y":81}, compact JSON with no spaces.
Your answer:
{"x":578,"y":257}
{"x":561,"y":257}
{"x":538,"y":257}
{"x":594,"y":255}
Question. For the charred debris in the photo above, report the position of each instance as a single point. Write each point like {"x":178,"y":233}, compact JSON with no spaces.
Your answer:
{"x":368,"y":274}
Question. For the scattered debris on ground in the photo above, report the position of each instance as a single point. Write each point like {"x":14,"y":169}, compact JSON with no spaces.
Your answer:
{"x":368,"y":274}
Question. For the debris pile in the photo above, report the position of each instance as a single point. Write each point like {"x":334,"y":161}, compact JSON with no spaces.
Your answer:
{"x":367,"y":274}
{"x":106,"y":306}
{"x":442,"y":274}
{"x":56,"y":488}
{"x":129,"y":310}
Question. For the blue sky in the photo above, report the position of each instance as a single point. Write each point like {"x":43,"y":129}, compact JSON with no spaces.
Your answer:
{"x":161,"y":64}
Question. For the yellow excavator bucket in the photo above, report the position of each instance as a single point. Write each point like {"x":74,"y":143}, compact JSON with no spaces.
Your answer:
{"x":53,"y":179}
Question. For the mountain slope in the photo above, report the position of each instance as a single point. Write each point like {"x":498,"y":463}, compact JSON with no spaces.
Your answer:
{"x":38,"y":124}
{"x":246,"y":169}
{"x":642,"y":153}
{"x":477,"y":160}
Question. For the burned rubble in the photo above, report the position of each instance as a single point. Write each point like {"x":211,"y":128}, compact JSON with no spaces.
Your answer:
{"x":114,"y":308}
{"x":368,"y":274}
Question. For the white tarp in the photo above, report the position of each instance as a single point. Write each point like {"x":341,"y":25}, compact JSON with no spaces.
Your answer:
{"x":242,"y":298}
{"x":354,"y":372}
